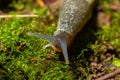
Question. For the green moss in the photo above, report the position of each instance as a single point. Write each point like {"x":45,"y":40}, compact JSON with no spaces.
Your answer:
{"x":116,"y":62}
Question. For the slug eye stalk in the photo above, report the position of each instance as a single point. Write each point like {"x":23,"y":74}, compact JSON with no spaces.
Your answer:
{"x":57,"y":43}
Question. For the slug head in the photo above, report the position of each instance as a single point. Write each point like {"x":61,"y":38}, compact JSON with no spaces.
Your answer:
{"x":58,"y":42}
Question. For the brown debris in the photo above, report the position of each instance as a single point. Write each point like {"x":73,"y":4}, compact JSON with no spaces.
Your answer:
{"x":103,"y":19}
{"x":52,"y":4}
{"x":34,"y":59}
{"x":20,"y":46}
{"x":114,"y":7}
{"x":109,"y":75}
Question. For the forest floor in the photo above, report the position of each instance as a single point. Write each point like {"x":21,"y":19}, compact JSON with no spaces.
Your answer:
{"x":94,"y":52}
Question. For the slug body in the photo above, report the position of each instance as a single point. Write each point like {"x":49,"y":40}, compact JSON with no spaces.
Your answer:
{"x":73,"y":15}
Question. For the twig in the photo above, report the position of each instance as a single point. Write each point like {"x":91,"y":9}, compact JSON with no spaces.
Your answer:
{"x":18,"y":16}
{"x":107,"y":76}
{"x":21,"y":45}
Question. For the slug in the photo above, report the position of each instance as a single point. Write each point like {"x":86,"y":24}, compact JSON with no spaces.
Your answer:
{"x":73,"y":16}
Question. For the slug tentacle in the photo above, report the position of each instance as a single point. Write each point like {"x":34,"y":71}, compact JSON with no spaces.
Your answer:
{"x":58,"y":43}
{"x":50,"y":38}
{"x":64,"y":50}
{"x":47,"y":45}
